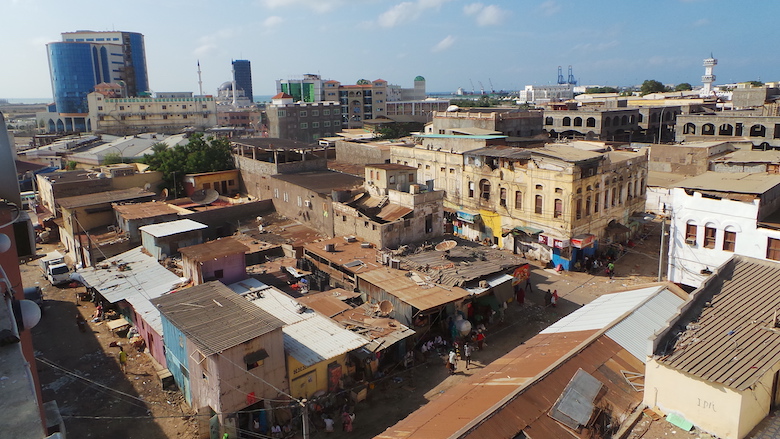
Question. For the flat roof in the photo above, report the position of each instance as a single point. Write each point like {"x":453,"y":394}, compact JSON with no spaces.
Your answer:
{"x":567,"y":153}
{"x":351,"y":256}
{"x":728,"y":335}
{"x":219,"y":248}
{"x":150,"y":209}
{"x":501,"y":151}
{"x":734,"y":182}
{"x":271,"y":144}
{"x":749,"y":156}
{"x":133,"y":193}
{"x":391,"y":167}
{"x":461,"y":136}
{"x":172,"y":227}
{"x":214,"y":317}
{"x":322,"y":182}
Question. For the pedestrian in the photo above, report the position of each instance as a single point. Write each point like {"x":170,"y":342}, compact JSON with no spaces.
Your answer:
{"x":328,"y":424}
{"x":480,"y":340}
{"x":547,"y":298}
{"x":611,"y":269}
{"x":467,"y":354}
{"x":81,"y":322}
{"x":452,"y":360}
{"x":346,"y":421}
{"x":528,"y":284}
{"x":554,"y":298}
{"x":122,"y":359}
{"x":520,"y":295}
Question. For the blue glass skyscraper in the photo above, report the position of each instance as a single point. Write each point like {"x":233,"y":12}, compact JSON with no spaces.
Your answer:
{"x":84,"y":59}
{"x":242,"y":74}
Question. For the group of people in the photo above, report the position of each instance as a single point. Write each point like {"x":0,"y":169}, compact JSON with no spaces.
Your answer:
{"x":594,"y":265}
{"x":347,"y":421}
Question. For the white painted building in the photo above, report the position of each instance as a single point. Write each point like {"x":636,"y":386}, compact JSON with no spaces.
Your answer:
{"x":717,"y":215}
{"x":541,"y":94}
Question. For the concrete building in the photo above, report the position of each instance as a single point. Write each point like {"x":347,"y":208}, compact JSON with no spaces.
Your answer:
{"x":217,"y":342}
{"x":251,"y":120}
{"x":393,"y":211}
{"x":131,"y":217}
{"x":165,"y":239}
{"x":307,"y":89}
{"x":360,"y":102}
{"x":487,"y":121}
{"x":592,"y":124}
{"x":168,"y":115}
{"x":542,"y":94}
{"x":688,"y":158}
{"x":761,"y":127}
{"x":304,"y":121}
{"x":224,"y":182}
{"x":717,"y":215}
{"x":223,"y":259}
{"x":715,"y":364}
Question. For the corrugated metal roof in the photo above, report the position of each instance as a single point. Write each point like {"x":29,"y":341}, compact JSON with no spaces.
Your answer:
{"x":104,"y":197}
{"x":142,"y":280}
{"x":145,"y":210}
{"x":501,"y":151}
{"x":730,"y":336}
{"x":324,"y":303}
{"x":172,"y":227}
{"x":309,"y":337}
{"x":396,"y":283}
{"x":214,"y":317}
{"x":219,"y":248}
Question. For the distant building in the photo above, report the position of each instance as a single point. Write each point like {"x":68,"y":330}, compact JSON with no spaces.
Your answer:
{"x":242,"y":75}
{"x":760,"y":127}
{"x":542,"y":94}
{"x":223,"y":259}
{"x":592,"y":124}
{"x":304,"y":121}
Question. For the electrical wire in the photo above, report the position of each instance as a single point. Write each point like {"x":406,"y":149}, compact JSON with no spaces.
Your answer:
{"x":7,"y":203}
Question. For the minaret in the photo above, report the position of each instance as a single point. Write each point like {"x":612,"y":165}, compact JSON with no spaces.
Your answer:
{"x":234,"y":86}
{"x":200,"y":80}
{"x":708,"y":77}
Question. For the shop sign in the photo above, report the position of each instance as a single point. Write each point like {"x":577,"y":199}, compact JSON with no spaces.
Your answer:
{"x":557,"y":243}
{"x":583,"y":241}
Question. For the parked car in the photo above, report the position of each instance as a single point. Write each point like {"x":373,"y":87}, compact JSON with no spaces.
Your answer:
{"x":34,"y":294}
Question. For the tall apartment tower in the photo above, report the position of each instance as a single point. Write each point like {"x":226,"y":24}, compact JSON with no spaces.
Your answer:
{"x":84,"y":59}
{"x":242,"y":75}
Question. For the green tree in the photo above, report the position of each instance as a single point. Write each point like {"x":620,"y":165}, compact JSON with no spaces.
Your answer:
{"x":71,"y":165}
{"x":363,"y":82}
{"x":601,"y":90}
{"x":198,"y":155}
{"x":683,"y":87}
{"x":756,"y":83}
{"x":652,"y":86}
{"x":112,"y":158}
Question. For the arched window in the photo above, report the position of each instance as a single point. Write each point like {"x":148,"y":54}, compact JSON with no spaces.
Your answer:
{"x":632,"y":119}
{"x":567,"y":121}
{"x":558,"y":211}
{"x":588,"y":202}
{"x":538,"y":203}
{"x":726,"y":130}
{"x":689,"y":128}
{"x":758,"y":131}
{"x":606,"y":198}
{"x":708,"y":129}
{"x":654,"y":118}
{"x":548,"y":120}
{"x":502,"y":197}
{"x":591,"y":122}
{"x":484,"y":189}
{"x":624,"y":120}
{"x":607,"y":121}
{"x":518,"y":200}
{"x":641,"y":117}
{"x":578,"y":208}
{"x":690,"y":232}
{"x":630,"y":190}
{"x":616,"y":121}
{"x":596,"y":202}
{"x":577,"y":121}
{"x":614,"y":196}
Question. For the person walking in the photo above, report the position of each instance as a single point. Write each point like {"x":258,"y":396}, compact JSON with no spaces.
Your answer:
{"x":528,"y":284}
{"x":519,"y":294}
{"x":467,"y":354}
{"x":452,"y":362}
{"x":547,"y":298}
{"x":611,"y":269}
{"x":123,"y":359}
{"x":480,"y":340}
{"x":554,"y":299}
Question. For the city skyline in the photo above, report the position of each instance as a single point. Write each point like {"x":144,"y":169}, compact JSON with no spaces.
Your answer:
{"x":451,"y":43}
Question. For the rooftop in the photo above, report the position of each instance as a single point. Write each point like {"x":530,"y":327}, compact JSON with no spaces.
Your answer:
{"x":214,"y":317}
{"x":133,"y":193}
{"x":172,"y":227}
{"x":729,"y":334}
{"x":567,"y":153}
{"x":501,"y":151}
{"x":392,"y":167}
{"x":322,"y":182}
{"x":422,"y":296}
{"x":351,"y":256}
{"x":275,"y":144}
{"x":219,"y":248}
{"x":732,"y":182}
{"x":749,"y":156}
{"x":151,"y":209}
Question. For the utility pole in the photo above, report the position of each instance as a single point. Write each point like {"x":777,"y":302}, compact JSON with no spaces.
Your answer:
{"x":661,"y":251}
{"x":305,"y":418}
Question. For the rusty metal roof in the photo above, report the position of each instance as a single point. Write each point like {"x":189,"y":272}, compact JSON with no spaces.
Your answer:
{"x":214,"y":317}
{"x":133,"y":193}
{"x":218,"y":248}
{"x":397,"y":283}
{"x":325,"y":303}
{"x":346,"y":254}
{"x":730,"y":336}
{"x":145,"y":210}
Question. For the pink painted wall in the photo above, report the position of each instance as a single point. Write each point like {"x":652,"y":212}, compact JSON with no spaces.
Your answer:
{"x":233,"y":268}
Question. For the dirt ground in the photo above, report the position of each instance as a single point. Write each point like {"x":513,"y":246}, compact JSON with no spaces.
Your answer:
{"x":82,"y":372}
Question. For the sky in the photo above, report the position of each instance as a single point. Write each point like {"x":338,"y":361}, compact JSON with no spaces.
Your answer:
{"x":452,"y":43}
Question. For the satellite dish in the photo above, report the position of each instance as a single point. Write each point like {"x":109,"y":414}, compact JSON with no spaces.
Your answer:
{"x":446,"y":245}
{"x":163,"y":195}
{"x":204,"y":196}
{"x":385,"y":307}
{"x":452,"y":108}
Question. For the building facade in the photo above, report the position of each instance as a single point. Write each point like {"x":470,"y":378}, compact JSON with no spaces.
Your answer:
{"x":242,"y":75}
{"x":304,"y":121}
{"x":761,"y":128}
{"x":592,"y":124}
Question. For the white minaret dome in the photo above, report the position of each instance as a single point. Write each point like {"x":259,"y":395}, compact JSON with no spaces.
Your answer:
{"x":708,"y":77}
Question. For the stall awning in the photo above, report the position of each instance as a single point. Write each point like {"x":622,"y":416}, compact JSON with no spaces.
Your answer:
{"x":490,"y":301}
{"x":584,"y":240}
{"x":468,"y":217}
{"x":527,"y":230}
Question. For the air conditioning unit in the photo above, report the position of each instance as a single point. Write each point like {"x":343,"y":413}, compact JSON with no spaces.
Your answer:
{"x":690,"y":241}
{"x":307,"y":203}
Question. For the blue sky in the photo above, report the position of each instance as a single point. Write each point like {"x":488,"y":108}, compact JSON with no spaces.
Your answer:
{"x":509,"y":42}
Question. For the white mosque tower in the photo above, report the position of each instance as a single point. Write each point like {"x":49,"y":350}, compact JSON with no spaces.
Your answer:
{"x":708,"y":77}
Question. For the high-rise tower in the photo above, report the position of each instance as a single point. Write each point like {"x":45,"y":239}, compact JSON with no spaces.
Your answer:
{"x":242,"y":75}
{"x":708,"y":77}
{"x":84,"y":59}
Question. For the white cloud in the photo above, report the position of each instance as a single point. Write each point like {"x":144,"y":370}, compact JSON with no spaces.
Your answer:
{"x":549,"y":7}
{"x":701,"y":22}
{"x":319,"y":6}
{"x":473,"y":8}
{"x":272,"y":21}
{"x":444,"y":44}
{"x":407,"y":11}
{"x":491,"y":15}
{"x":209,"y":43}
